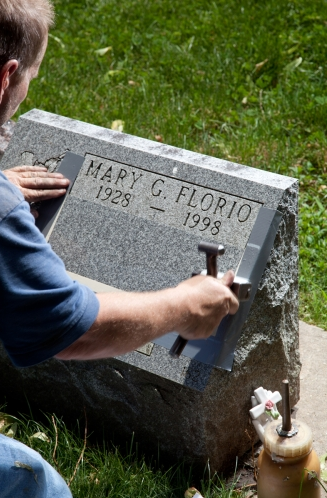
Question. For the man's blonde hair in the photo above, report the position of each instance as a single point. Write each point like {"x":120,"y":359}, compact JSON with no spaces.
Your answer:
{"x":23,"y":27}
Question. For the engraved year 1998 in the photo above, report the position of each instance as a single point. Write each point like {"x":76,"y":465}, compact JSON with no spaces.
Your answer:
{"x":193,"y":221}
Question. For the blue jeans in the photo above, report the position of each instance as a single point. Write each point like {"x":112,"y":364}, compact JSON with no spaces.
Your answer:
{"x":25,"y":474}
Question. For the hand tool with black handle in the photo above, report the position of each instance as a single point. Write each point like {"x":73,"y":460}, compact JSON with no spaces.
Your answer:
{"x":212,"y":252}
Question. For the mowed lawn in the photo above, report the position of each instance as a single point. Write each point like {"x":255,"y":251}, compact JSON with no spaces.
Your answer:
{"x":237,"y":79}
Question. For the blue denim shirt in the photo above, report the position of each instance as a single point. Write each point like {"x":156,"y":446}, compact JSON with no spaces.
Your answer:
{"x":42,"y":310}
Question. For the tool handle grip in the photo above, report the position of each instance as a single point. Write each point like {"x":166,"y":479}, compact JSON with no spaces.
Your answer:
{"x":178,"y":346}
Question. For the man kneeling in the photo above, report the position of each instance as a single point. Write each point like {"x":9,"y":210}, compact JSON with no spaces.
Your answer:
{"x":45,"y":313}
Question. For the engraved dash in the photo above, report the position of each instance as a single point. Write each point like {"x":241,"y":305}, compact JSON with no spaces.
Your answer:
{"x":157,"y":209}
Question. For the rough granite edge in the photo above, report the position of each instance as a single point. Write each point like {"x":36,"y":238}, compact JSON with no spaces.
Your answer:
{"x":244,"y":172}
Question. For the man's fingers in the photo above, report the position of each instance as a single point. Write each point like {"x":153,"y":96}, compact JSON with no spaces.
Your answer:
{"x":26,"y":175}
{"x":43,"y":195}
{"x":44,"y":182}
{"x":35,"y":172}
{"x":24,"y":168}
{"x":50,"y":194}
{"x":228,"y":278}
{"x":234,"y":304}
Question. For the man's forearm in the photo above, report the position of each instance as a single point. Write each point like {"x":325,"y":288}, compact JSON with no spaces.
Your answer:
{"x":125,"y":322}
{"x":128,"y":320}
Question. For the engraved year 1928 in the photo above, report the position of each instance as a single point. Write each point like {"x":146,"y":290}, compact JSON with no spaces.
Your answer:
{"x":115,"y":196}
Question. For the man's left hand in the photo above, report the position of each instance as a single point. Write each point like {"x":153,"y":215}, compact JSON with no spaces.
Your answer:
{"x":36,"y":183}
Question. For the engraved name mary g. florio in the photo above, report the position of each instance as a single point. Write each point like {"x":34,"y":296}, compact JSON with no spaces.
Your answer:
{"x":166,"y":200}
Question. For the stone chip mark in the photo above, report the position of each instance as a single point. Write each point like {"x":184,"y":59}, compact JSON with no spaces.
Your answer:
{"x":28,"y":159}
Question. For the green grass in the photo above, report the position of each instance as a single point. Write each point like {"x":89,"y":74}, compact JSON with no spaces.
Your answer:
{"x":102,"y":472}
{"x":237,"y":79}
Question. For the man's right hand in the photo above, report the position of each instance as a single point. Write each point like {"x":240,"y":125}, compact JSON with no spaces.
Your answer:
{"x":208,"y":301}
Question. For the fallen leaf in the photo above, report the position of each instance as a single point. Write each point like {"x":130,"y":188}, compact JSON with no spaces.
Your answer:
{"x":112,"y":72}
{"x":118,"y":125}
{"x":293,"y":65}
{"x":192,"y":492}
{"x":260,"y":64}
{"x":55,"y":38}
{"x":6,"y":421}
{"x":12,"y":431}
{"x":102,"y":51}
{"x":321,"y":100}
{"x":292,"y":49}
{"x":158,"y":138}
{"x":21,"y":465}
{"x":93,"y":478}
{"x":40,"y":435}
{"x":323,"y":470}
{"x":132,"y":83}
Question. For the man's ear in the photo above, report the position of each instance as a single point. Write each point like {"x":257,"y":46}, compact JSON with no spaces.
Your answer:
{"x":5,"y":74}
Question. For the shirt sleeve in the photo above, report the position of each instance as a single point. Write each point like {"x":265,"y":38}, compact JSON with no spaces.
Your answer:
{"x":43,"y":310}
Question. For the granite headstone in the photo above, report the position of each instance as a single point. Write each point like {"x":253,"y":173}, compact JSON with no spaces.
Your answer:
{"x":132,"y":221}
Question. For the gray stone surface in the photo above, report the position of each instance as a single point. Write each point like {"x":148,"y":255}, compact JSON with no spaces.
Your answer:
{"x":193,"y":410}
